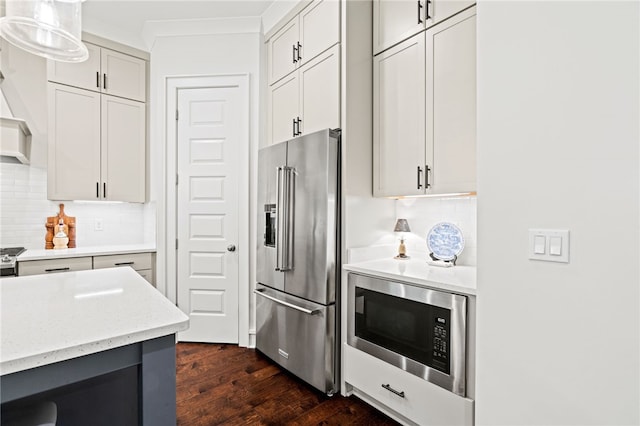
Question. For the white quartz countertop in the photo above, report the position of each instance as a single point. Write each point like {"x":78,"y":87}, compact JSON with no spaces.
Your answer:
{"x":456,"y":279}
{"x":41,"y":254}
{"x":51,"y":318}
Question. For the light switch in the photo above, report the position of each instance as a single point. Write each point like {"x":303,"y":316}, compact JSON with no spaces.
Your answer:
{"x":555,"y":246}
{"x":539,"y":243}
{"x":550,"y":245}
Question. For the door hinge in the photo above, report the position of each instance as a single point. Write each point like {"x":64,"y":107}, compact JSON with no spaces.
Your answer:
{"x":177,"y":115}
{"x":176,"y":179}
{"x":176,"y":244}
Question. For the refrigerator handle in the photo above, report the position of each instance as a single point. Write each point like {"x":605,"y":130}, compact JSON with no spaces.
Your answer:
{"x":287,"y":304}
{"x":289,"y":202}
{"x":279,"y":218}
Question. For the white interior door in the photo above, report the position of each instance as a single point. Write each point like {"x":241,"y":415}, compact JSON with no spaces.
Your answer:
{"x":208,"y":137}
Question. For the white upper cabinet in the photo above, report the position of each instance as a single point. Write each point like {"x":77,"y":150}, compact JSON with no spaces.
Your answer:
{"x":315,"y":29}
{"x":283,"y":109}
{"x":306,"y":100}
{"x":123,"y":149}
{"x":399,"y":119}
{"x":283,"y":57}
{"x":74,"y":144}
{"x":319,"y":82}
{"x":106,"y":71}
{"x":85,"y":75}
{"x":123,"y":75}
{"x":451,"y":108}
{"x":397,"y":20}
{"x":425,"y":112}
{"x":96,"y":146}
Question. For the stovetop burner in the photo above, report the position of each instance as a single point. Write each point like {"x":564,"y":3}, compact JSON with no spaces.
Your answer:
{"x":11,"y":251}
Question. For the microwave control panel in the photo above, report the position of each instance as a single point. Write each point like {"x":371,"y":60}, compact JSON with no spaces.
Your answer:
{"x":440,"y":341}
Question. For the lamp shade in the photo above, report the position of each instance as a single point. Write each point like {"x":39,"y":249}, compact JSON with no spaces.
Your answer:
{"x":49,"y":28}
{"x":402,"y":226}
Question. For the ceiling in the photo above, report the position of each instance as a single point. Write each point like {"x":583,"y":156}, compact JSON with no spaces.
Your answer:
{"x":130,"y":15}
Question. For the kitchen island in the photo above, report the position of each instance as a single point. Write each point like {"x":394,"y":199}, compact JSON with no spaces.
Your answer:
{"x":106,"y":333}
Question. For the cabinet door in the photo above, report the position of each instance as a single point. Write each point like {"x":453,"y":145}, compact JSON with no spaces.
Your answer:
{"x":439,"y":10}
{"x":320,"y":92}
{"x":451,"y":105}
{"x":283,"y":109}
{"x":399,"y":119}
{"x":123,"y":75}
{"x":85,"y":75}
{"x":319,"y":28}
{"x":74,"y":144}
{"x":123,"y":149}
{"x":396,"y":20}
{"x":283,"y":59}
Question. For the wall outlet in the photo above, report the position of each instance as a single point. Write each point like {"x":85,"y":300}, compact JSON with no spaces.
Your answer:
{"x":98,"y":225}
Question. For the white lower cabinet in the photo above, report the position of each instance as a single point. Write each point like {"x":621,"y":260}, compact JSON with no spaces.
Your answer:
{"x":401,"y":395}
{"x":52,"y":266}
{"x":142,"y":263}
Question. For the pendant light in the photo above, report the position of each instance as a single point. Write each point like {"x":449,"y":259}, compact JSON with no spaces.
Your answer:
{"x":49,"y":28}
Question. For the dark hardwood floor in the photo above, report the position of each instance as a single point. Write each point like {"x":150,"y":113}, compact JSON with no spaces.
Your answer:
{"x":228,"y":385}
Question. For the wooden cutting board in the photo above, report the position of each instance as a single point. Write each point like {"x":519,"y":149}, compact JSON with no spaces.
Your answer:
{"x":52,"y":223}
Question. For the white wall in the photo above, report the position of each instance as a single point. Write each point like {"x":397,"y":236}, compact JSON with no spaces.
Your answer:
{"x":423,"y":213}
{"x":558,"y":132}
{"x":214,"y":54}
{"x":24,"y":209}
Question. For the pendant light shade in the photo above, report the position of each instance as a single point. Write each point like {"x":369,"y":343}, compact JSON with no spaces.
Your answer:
{"x":49,"y":28}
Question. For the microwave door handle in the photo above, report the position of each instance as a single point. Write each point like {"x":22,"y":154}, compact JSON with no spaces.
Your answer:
{"x":278,"y":242}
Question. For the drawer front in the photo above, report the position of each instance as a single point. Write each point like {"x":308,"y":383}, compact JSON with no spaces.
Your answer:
{"x":301,"y":342}
{"x":137,"y":261}
{"x":418,"y":400}
{"x":51,"y":266}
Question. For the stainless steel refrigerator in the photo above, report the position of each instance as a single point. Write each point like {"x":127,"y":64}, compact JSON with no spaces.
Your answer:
{"x":298,"y":256}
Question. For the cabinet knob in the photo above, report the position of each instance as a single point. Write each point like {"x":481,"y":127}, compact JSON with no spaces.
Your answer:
{"x":231,"y":247}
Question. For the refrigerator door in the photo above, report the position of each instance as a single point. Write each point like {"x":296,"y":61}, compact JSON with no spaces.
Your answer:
{"x":313,"y":160}
{"x":271,"y":162}
{"x":299,"y":335}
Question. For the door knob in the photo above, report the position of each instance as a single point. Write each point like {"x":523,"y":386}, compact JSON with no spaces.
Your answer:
{"x":231,"y":247}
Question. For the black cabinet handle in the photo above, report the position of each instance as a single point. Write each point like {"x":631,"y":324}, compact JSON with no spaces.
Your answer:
{"x":123,"y":263}
{"x":295,"y":54}
{"x":426,"y":15}
{"x":419,"y":12}
{"x":419,"y":180}
{"x":98,"y":79}
{"x":392,"y":390}
{"x":97,"y":189}
{"x":299,"y":51}
{"x":104,"y":190}
{"x":427,"y":169}
{"x":294,"y":127}
{"x":58,"y":269}
{"x":298,"y":121}
{"x":104,"y":81}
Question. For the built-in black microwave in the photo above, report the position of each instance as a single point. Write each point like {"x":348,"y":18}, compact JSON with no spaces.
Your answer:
{"x":417,"y":329}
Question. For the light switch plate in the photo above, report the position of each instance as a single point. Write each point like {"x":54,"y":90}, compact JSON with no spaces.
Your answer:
{"x":556,"y":245}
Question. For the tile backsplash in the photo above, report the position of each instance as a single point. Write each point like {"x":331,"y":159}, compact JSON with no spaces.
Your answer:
{"x":24,"y":208}
{"x":423,"y":213}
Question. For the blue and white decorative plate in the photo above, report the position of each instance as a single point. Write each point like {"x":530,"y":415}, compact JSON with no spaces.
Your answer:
{"x":445,"y":241}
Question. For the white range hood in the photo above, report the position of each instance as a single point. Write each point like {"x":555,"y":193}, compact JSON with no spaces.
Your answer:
{"x":15,"y":139}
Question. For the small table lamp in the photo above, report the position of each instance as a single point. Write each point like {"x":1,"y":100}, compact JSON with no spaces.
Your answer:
{"x":402,"y":226}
